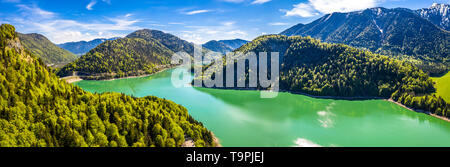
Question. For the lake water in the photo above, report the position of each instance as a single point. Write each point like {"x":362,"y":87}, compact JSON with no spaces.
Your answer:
{"x":241,"y":118}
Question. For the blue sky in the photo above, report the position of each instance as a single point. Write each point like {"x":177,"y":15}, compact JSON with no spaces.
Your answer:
{"x":197,"y":21}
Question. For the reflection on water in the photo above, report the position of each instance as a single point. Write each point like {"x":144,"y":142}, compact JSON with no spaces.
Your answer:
{"x":326,"y":116}
{"x":305,"y":143}
{"x":241,"y":118}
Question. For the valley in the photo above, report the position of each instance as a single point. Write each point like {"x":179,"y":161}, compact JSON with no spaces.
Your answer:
{"x":241,"y":118}
{"x":372,"y":77}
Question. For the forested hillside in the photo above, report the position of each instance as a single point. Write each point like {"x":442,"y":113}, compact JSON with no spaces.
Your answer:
{"x":170,"y":41}
{"x":120,"y":58}
{"x":141,"y":52}
{"x":399,"y":33}
{"x":40,"y":46}
{"x":321,"y":69}
{"x":38,"y":109}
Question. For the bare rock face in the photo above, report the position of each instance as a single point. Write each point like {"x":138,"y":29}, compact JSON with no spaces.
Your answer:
{"x":437,"y":14}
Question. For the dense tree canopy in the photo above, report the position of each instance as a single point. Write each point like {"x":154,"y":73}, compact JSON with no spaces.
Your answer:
{"x":120,"y":58}
{"x":38,"y":109}
{"x":40,"y":46}
{"x":321,"y":69}
{"x":141,"y":52}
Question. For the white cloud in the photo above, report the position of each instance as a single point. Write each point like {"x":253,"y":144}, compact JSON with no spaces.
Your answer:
{"x":260,"y":1}
{"x":228,"y":23}
{"x":35,"y":11}
{"x":302,"y":10}
{"x":32,"y":19}
{"x":91,"y":4}
{"x":330,"y":6}
{"x":203,"y":34}
{"x":197,"y":12}
{"x":176,"y":23}
{"x":315,"y":7}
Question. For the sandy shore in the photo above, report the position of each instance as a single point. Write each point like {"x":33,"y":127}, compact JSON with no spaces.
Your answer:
{"x":420,"y":111}
{"x":72,"y":79}
{"x":189,"y":142}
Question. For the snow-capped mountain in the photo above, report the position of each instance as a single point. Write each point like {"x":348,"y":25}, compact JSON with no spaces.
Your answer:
{"x":437,"y":14}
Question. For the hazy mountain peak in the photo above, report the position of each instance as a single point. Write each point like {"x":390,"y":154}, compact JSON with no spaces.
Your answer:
{"x":224,"y":46}
{"x":82,"y":47}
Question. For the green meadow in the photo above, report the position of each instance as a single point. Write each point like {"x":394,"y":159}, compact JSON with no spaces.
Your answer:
{"x":442,"y":86}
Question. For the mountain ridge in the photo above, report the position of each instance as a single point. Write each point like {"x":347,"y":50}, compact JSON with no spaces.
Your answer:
{"x":140,"y":53}
{"x":397,"y":32}
{"x":82,"y":47}
{"x":50,"y":53}
{"x":438,"y":14}
{"x":224,"y":46}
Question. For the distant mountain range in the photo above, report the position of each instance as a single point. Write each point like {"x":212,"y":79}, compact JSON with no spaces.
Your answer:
{"x":43,"y":48}
{"x":82,"y":47}
{"x":437,"y":14}
{"x":141,"y":52}
{"x":224,"y":46}
{"x":395,"y":32}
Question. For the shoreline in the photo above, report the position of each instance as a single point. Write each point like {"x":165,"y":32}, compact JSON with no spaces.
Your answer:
{"x":73,"y":79}
{"x":216,"y":140}
{"x":189,"y":142}
{"x":418,"y":111}
{"x":335,"y":97}
{"x":349,"y":99}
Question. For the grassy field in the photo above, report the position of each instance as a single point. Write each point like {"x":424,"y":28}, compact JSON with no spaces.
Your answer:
{"x":442,"y":85}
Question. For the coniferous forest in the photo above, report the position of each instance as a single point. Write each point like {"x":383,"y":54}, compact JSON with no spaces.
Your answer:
{"x":39,"y":110}
{"x":320,"y":69}
{"x":353,"y":76}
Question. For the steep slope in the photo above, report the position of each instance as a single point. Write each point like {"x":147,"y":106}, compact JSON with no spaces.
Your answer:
{"x":394,"y":32}
{"x":141,"y":52}
{"x":39,"y":110}
{"x":40,"y":46}
{"x":170,"y":41}
{"x":82,"y":47}
{"x":224,"y":46}
{"x":438,"y":14}
{"x":321,"y":69}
